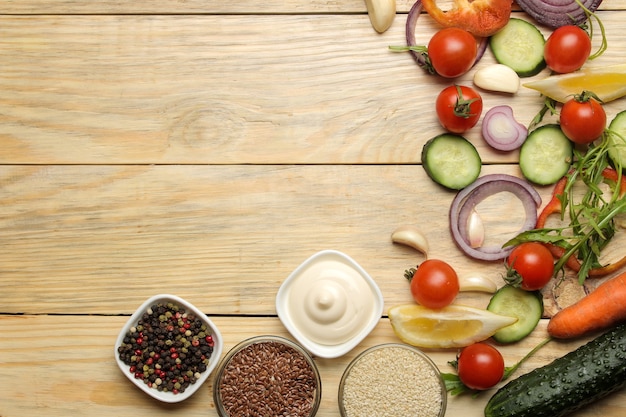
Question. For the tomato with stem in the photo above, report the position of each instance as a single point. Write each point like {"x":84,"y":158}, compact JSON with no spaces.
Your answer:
{"x":582,"y":118}
{"x":452,"y":52}
{"x":531,"y":266}
{"x":480,"y":366}
{"x":434,"y":284}
{"x":567,"y":49}
{"x":458,"y":108}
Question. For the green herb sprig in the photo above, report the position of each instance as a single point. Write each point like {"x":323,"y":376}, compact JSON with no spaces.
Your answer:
{"x":591,"y":218}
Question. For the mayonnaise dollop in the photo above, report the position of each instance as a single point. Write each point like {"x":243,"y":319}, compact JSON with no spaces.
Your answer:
{"x":329,"y":301}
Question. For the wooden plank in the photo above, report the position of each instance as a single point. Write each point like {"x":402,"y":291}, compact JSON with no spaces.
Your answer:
{"x":102,"y":239}
{"x":213,"y":6}
{"x":58,"y":366}
{"x":69,"y":7}
{"x":213,"y":89}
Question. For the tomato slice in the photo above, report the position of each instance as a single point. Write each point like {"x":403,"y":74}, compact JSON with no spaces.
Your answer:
{"x":479,"y":17}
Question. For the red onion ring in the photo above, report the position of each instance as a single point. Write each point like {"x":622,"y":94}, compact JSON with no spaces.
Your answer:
{"x":500,"y":129}
{"x":556,"y":13}
{"x":468,"y":198}
{"x":411,"y":23}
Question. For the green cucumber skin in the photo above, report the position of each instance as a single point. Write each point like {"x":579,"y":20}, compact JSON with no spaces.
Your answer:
{"x":452,"y":180}
{"x":530,"y":66}
{"x":532,"y":301}
{"x":536,"y":143}
{"x":568,"y":383}
{"x":618,"y":155}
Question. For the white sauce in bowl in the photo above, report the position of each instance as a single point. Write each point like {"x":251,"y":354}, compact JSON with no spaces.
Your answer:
{"x":329,"y":302}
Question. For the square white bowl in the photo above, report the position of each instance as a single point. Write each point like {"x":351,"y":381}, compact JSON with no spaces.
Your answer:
{"x":170,"y":397}
{"x":371,"y":310}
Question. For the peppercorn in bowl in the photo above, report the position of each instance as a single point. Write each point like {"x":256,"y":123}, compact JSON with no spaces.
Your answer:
{"x":168,"y":348}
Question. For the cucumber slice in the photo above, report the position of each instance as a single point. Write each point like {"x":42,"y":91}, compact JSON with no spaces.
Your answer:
{"x":617,"y":140}
{"x":546,"y":155}
{"x":451,"y":160}
{"x":519,"y":45}
{"x":511,"y":301}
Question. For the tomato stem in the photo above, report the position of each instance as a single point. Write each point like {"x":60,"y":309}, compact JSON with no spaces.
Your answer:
{"x":421,"y":50}
{"x":462,"y":107}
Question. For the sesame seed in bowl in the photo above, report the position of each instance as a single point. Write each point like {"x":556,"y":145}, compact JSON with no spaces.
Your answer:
{"x":392,"y":380}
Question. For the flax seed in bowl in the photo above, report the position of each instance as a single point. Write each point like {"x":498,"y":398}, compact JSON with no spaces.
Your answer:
{"x":392,"y":380}
{"x":267,"y":376}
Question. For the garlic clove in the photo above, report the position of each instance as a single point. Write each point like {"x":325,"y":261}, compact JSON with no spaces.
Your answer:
{"x":477,"y":283}
{"x":497,"y":77}
{"x":475,"y":230}
{"x":381,"y":13}
{"x":411,"y":236}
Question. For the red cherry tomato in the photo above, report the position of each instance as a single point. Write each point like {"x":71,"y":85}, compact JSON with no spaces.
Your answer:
{"x":452,"y":52}
{"x":435,"y":284}
{"x":458,"y":108}
{"x":567,"y":49}
{"x":531,"y":266}
{"x":582,"y":119}
{"x":480,"y":366}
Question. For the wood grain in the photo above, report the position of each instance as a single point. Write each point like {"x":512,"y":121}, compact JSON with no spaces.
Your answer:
{"x":206,"y":149}
{"x":154,"y":89}
{"x":71,"y":7}
{"x":101,"y":239}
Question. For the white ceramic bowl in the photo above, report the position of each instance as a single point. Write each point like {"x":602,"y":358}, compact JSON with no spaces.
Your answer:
{"x":170,"y":397}
{"x":329,"y":304}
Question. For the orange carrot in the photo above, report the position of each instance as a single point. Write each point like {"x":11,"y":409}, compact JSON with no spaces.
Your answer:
{"x":599,"y":310}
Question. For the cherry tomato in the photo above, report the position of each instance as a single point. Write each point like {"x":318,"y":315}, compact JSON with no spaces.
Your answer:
{"x":567,"y":49}
{"x":452,"y":52}
{"x":582,"y":119}
{"x":480,"y":366}
{"x":458,"y":108}
{"x":531,"y":266}
{"x":435,"y":284}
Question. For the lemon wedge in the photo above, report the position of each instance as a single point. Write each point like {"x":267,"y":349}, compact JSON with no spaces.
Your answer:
{"x":608,"y":83}
{"x":449,"y":327}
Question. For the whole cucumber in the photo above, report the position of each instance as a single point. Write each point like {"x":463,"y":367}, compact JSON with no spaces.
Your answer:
{"x":581,"y":377}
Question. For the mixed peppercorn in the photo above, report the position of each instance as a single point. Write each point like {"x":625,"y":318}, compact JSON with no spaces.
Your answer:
{"x":168,"y":349}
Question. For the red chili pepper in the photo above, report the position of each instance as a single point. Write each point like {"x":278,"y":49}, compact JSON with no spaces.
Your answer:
{"x":554,"y":205}
{"x":481,"y":18}
{"x":611,"y":174}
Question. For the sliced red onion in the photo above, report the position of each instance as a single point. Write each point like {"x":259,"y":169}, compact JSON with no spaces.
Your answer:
{"x":500,"y":129}
{"x":469,"y":197}
{"x":411,"y":23}
{"x":556,"y":13}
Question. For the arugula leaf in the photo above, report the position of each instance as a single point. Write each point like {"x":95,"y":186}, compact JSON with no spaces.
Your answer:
{"x":591,"y":217}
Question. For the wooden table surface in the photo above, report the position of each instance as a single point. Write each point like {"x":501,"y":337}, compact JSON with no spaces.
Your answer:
{"x":205,"y":149}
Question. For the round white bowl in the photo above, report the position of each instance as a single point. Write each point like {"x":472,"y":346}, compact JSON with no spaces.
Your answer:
{"x":371,"y":312}
{"x":170,"y":397}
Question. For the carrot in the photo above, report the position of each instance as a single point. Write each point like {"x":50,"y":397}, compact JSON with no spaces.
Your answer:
{"x":599,"y":310}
